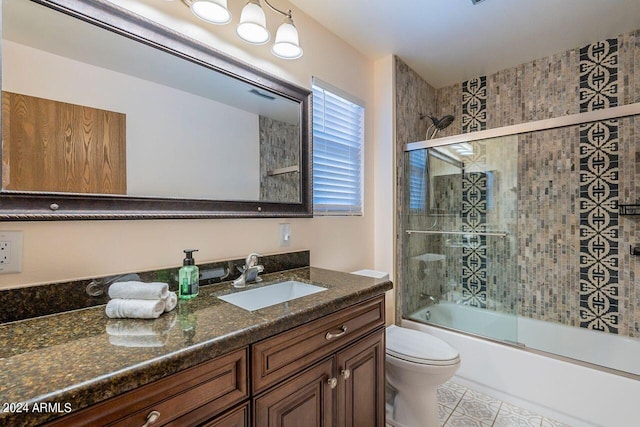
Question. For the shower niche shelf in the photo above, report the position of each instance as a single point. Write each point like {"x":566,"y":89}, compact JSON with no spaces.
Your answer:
{"x":629,"y":209}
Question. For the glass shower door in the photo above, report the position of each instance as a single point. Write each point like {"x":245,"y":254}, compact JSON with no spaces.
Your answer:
{"x":460,"y":225}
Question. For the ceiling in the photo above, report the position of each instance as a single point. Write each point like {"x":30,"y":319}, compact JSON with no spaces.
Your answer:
{"x":450,"y":41}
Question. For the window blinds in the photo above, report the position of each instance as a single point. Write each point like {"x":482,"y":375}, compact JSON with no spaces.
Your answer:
{"x":338,"y":138}
{"x":417,"y":179}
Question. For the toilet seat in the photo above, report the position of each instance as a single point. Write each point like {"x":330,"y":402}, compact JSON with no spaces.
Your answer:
{"x":419,"y":347}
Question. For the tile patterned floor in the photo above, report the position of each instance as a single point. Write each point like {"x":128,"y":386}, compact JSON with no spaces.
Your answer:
{"x":460,"y":406}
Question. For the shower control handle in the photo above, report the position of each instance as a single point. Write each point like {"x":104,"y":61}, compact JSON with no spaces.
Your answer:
{"x":331,"y":335}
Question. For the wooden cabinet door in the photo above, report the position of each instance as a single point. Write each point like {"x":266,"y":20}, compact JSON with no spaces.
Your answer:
{"x":305,"y":400}
{"x":237,"y":418}
{"x":360,"y":391}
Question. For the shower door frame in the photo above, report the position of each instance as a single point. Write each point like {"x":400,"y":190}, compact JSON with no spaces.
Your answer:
{"x":546,"y":124}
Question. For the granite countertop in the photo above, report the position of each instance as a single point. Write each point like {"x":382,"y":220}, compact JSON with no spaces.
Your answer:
{"x":69,"y":361}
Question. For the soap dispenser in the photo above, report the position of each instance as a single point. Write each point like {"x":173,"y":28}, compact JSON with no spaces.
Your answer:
{"x":188,"y":277}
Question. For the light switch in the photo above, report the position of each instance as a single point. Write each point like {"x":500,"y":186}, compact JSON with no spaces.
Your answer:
{"x":285,"y":234}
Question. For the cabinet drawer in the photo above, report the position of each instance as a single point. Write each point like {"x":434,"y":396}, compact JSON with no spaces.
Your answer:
{"x":197,"y":393}
{"x":282,"y":355}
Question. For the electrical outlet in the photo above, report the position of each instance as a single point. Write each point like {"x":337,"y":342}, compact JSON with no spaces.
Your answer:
{"x":10,"y":252}
{"x":5,"y":252}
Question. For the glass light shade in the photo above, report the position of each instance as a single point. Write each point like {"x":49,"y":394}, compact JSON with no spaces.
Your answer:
{"x":287,"y":44}
{"x":253,"y":24}
{"x":213,"y":11}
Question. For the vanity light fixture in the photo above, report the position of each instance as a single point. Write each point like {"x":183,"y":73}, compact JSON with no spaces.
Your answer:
{"x":212,"y":11}
{"x":252,"y":27}
{"x":253,"y":24}
{"x":287,"y":44}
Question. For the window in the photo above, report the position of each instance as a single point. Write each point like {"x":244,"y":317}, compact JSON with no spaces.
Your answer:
{"x":338,"y":139}
{"x":417,"y":179}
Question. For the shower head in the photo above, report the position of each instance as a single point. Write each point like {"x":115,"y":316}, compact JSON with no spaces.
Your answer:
{"x":443,"y":122}
{"x":439,"y":124}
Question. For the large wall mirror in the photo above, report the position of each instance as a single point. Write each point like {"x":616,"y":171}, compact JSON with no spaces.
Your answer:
{"x":108,"y":115}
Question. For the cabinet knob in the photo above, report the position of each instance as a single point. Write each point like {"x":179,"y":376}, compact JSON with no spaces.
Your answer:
{"x":152,"y":418}
{"x":333,"y":382}
{"x":346,"y":373}
{"x":331,"y":335}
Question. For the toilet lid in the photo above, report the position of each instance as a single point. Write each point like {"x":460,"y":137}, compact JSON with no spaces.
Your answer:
{"x":419,"y":347}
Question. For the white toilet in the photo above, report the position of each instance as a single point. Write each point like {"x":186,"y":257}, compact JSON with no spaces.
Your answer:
{"x":416,"y":364}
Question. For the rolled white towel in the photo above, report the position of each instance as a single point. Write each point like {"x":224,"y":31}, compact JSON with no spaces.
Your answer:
{"x":170,"y":302}
{"x":134,"y":308}
{"x":138,"y":290}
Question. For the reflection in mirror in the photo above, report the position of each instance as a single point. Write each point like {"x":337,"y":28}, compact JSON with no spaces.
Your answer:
{"x":86,"y":110}
{"x":435,"y":181}
{"x":444,"y":177}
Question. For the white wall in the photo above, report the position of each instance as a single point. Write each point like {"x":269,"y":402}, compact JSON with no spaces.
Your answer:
{"x":55,"y":251}
{"x":184,"y":133}
{"x":384,"y":176}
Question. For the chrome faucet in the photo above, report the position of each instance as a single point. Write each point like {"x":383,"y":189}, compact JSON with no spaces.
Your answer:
{"x":431,"y":298}
{"x":98,"y":287}
{"x":249,"y":272}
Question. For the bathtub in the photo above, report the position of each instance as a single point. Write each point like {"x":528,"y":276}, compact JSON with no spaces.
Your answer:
{"x":608,"y":350}
{"x":533,"y":377}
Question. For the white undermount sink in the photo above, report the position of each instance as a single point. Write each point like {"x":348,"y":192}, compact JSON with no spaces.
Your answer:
{"x":255,"y":299}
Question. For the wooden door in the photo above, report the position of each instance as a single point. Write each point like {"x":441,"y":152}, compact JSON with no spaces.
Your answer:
{"x":59,"y":147}
{"x":304,"y":400}
{"x":360,"y":391}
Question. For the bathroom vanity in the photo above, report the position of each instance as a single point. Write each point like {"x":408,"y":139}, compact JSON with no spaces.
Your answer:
{"x":316,"y":360}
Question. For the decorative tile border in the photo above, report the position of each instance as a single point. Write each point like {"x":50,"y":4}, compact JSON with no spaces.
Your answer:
{"x":474,"y":220}
{"x":474,"y":105}
{"x":599,"y":75}
{"x":599,"y":226}
{"x":599,"y":172}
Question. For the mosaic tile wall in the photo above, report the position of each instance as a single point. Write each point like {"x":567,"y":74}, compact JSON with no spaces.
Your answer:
{"x":573,"y":261}
{"x":279,"y":148}
{"x":549,"y":226}
{"x":414,"y":97}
